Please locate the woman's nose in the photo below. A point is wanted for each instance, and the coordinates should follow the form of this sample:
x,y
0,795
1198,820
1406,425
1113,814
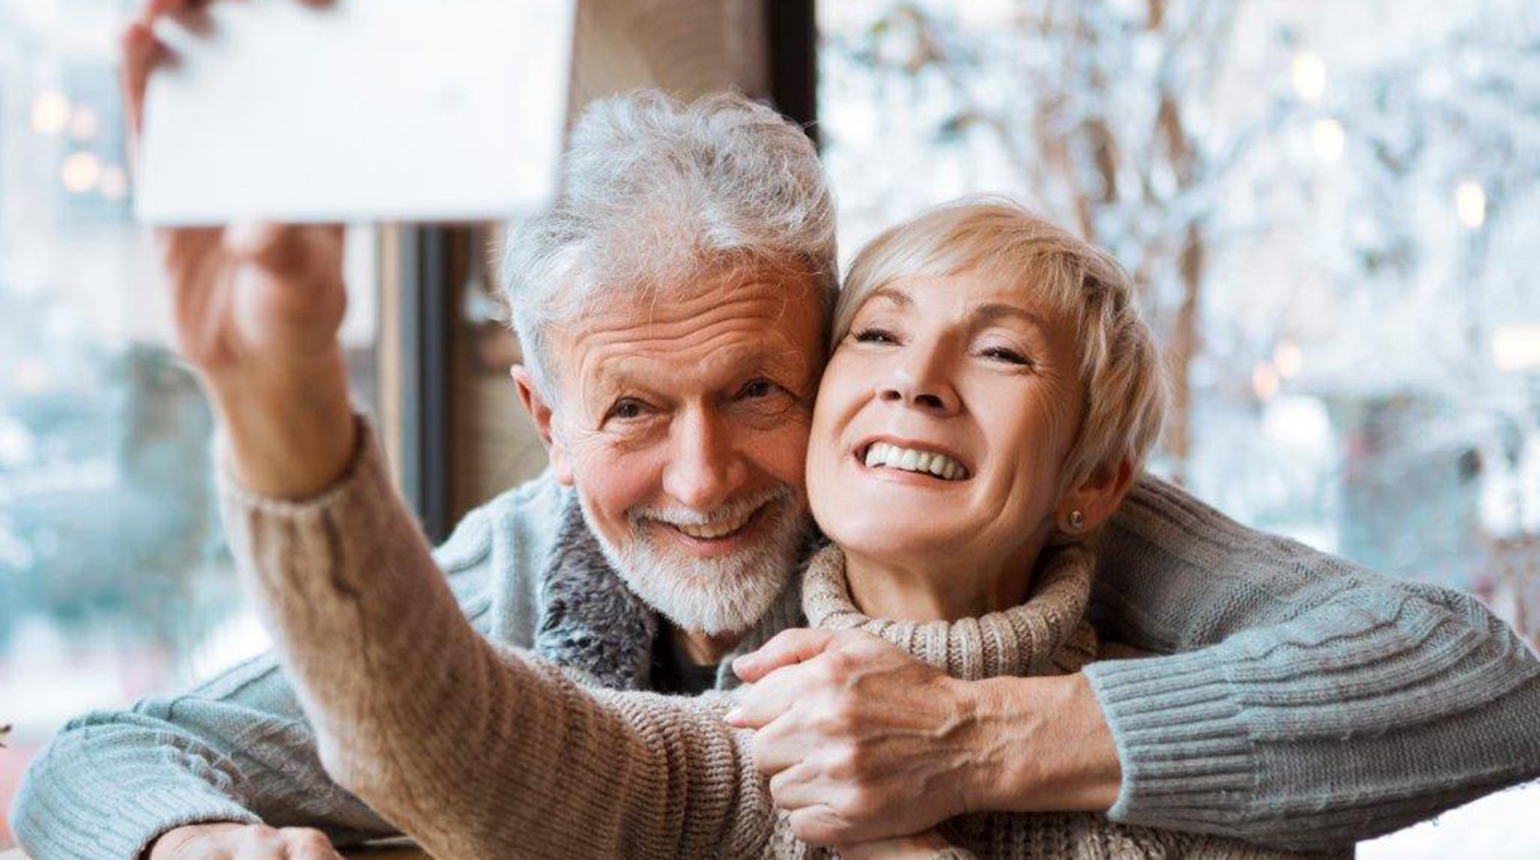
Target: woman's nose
x,y
921,384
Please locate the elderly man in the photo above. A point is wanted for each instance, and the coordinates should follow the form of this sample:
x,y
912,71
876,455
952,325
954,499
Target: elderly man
x,y
673,308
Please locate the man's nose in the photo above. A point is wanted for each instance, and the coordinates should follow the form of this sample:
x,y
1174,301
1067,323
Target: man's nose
x,y
920,380
705,468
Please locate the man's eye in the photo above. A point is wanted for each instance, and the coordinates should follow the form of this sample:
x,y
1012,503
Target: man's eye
x,y
875,335
756,389
1009,356
626,409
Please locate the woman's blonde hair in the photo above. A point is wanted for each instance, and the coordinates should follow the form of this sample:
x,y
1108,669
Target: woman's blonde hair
x,y
1120,369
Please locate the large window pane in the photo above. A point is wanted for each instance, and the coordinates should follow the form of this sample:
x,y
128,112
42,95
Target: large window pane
x,y
1332,235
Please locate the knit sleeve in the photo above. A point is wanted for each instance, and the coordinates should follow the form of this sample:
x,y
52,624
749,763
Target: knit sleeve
x,y
234,748
474,750
1301,701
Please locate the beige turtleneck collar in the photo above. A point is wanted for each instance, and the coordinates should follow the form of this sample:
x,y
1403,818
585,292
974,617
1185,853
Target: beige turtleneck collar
x,y
1047,635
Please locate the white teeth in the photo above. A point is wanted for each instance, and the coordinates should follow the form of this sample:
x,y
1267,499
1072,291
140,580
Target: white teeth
x,y
909,460
875,453
711,531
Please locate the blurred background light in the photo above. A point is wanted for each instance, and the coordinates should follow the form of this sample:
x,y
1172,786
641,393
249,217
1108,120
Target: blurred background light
x,y
1516,347
1308,72
1470,203
1327,138
49,112
1264,381
81,172
1288,358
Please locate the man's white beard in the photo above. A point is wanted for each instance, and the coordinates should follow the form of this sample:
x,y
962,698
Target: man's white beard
x,y
712,596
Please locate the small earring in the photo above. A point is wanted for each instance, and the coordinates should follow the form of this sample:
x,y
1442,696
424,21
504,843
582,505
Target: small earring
x,y
1076,520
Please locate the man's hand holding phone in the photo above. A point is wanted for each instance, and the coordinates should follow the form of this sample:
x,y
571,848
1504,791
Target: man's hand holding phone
x,y
256,310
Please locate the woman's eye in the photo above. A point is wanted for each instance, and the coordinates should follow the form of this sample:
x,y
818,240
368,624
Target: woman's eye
x,y
757,389
875,335
1009,356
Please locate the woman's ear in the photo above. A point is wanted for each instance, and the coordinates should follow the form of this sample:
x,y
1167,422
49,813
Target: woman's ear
x,y
1092,502
540,411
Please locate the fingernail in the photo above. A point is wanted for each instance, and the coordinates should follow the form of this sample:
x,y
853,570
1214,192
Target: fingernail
x,y
734,716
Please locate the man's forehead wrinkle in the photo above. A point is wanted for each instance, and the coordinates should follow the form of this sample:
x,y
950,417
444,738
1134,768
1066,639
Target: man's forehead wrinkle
x,y
723,355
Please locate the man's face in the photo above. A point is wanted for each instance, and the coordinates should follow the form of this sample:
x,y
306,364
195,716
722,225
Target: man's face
x,y
682,419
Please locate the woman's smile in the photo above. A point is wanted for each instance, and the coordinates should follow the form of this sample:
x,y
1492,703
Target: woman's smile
x,y
897,458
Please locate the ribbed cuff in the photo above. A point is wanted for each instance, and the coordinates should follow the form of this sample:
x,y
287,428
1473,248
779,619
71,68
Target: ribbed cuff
x,y
1185,754
67,830
366,452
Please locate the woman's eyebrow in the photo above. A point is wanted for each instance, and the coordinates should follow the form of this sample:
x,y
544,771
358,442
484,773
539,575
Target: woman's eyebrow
x,y
896,296
992,312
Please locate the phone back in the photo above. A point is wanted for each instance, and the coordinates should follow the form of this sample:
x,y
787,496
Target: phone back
x,y
359,110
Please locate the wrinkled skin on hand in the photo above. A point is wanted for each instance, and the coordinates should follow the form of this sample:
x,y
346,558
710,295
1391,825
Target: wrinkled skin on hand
x,y
860,740
231,841
864,742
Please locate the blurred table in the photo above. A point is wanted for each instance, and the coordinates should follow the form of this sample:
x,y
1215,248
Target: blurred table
x,y
384,852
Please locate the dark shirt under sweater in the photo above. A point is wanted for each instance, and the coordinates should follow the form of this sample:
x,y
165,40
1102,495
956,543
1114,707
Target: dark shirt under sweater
x,y
673,671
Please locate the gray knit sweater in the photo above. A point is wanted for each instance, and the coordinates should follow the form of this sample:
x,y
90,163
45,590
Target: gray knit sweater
x,y
1273,657
502,758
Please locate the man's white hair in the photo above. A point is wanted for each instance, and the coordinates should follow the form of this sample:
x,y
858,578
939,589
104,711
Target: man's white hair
x,y
657,195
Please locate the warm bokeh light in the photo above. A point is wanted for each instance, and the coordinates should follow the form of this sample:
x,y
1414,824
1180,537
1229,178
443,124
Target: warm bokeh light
x,y
1308,73
1264,381
50,112
1328,139
83,123
1516,347
1470,203
1288,358
81,172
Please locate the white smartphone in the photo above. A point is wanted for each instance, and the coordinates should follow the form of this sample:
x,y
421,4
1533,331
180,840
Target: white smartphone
x,y
358,110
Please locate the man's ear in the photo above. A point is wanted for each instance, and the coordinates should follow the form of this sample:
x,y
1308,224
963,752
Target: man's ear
x,y
540,411
1096,497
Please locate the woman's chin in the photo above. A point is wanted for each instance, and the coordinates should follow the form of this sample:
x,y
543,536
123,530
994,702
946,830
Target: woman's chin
x,y
891,533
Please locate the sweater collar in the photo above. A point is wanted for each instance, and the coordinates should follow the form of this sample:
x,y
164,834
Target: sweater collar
x,y
1048,634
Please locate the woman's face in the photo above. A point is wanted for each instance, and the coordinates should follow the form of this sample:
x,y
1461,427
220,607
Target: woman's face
x,y
941,423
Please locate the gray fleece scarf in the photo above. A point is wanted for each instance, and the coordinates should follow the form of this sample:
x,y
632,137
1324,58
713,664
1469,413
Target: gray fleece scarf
x,y
592,621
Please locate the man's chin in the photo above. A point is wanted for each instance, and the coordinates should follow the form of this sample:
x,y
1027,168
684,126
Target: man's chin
x,y
717,594
711,602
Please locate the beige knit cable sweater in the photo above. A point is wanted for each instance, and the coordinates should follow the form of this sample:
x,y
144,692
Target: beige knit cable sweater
x,y
480,751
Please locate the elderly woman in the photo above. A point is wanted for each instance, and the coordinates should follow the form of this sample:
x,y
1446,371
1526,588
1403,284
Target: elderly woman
x,y
991,394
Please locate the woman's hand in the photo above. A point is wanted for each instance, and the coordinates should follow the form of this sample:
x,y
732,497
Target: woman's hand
x,y
860,740
863,741
256,310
